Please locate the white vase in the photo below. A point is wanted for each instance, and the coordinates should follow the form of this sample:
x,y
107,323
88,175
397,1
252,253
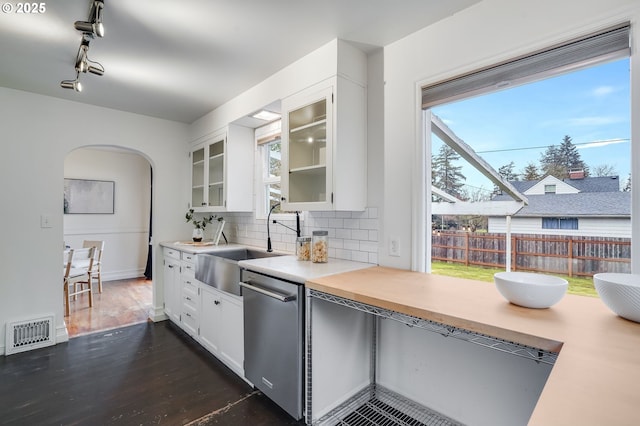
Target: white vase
x,y
198,234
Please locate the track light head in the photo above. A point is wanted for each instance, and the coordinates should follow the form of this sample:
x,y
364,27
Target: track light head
x,y
72,84
96,69
92,29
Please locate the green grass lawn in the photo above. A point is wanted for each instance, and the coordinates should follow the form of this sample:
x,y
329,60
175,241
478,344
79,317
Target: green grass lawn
x,y
577,285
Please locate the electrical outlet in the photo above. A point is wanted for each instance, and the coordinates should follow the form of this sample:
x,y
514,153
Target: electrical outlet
x,y
394,247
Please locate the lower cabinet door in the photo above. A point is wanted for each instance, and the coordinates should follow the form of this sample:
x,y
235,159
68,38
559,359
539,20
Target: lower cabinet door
x,y
210,313
232,333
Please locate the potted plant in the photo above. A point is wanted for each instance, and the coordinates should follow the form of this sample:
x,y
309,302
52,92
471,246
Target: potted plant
x,y
199,225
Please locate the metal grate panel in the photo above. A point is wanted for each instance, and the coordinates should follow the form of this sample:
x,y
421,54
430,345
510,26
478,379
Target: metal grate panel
x,y
376,405
30,334
536,354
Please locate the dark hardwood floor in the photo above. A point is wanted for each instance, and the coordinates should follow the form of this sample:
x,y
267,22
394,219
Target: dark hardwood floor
x,y
145,374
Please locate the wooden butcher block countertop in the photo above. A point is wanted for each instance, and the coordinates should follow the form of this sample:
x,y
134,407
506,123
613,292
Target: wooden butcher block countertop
x,y
596,378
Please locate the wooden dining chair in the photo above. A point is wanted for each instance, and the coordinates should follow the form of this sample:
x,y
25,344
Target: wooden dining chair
x,y
96,271
75,278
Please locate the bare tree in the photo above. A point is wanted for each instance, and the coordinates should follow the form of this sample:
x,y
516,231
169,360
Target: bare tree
x,y
603,170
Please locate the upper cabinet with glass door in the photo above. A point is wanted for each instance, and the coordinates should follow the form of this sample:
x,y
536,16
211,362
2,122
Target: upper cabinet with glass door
x,y
324,148
220,180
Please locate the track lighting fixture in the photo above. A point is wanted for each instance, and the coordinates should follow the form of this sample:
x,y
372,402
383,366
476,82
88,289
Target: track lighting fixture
x,y
94,26
90,29
84,64
72,84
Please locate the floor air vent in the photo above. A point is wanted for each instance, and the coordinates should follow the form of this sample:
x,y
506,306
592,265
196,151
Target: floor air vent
x,y
31,334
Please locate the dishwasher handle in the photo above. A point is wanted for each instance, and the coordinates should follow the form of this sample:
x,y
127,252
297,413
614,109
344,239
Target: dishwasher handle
x,y
281,297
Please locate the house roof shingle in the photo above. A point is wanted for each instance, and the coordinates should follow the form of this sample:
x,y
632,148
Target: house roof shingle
x,y
598,196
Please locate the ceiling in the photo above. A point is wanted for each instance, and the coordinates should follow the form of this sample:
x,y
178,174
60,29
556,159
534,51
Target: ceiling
x,y
180,59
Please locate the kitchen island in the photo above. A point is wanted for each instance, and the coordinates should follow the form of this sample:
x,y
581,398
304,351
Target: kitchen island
x,y
595,377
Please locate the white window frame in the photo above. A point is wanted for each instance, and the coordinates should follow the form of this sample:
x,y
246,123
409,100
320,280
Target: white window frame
x,y
263,179
421,248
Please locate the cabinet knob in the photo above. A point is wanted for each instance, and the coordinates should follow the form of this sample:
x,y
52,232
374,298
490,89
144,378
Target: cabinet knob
x,y
283,198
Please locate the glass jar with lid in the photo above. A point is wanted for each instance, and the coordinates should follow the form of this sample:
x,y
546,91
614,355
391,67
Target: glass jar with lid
x,y
320,247
303,248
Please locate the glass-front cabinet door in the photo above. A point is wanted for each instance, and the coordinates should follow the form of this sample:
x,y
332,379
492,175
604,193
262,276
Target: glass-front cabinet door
x,y
307,148
216,173
208,178
197,178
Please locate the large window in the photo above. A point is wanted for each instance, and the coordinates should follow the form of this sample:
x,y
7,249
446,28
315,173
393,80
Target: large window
x,y
497,133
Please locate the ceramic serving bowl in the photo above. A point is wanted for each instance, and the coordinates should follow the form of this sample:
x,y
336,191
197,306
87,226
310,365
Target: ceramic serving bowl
x,y
529,289
620,292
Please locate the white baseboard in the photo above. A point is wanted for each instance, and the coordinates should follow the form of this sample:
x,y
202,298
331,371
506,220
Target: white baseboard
x,y
123,275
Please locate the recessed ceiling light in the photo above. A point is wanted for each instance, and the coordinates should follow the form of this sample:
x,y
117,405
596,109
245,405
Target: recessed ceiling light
x,y
265,115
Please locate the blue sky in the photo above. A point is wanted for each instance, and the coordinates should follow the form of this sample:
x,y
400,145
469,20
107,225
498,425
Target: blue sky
x,y
589,105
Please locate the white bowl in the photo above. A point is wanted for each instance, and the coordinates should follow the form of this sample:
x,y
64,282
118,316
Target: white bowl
x,y
530,290
620,292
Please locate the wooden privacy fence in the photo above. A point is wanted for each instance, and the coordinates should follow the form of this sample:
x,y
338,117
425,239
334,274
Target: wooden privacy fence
x,y
569,255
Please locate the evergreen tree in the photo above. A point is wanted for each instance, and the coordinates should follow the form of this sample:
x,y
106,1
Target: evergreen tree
x,y
445,175
530,172
507,173
558,160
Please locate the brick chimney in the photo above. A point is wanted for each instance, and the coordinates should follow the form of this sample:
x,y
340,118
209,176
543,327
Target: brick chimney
x,y
576,174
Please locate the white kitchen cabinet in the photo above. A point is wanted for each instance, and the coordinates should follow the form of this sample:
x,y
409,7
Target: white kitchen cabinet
x,y
210,318
324,147
172,284
221,327
221,171
232,333
190,305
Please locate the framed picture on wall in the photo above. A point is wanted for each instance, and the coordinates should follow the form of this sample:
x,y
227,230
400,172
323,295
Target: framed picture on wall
x,y
84,196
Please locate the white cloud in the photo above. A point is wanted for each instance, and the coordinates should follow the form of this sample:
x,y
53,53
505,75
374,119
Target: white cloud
x,y
593,121
602,91
598,144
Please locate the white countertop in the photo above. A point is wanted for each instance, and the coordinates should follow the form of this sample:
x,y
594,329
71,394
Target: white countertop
x,y
190,247
286,266
292,269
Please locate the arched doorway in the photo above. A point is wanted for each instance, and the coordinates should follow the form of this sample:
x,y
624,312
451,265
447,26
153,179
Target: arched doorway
x,y
127,294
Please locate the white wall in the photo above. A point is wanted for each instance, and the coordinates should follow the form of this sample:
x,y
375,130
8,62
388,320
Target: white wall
x,y
587,226
487,33
37,134
126,232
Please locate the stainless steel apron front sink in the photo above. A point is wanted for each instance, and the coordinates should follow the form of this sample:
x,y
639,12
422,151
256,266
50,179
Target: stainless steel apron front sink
x,y
221,270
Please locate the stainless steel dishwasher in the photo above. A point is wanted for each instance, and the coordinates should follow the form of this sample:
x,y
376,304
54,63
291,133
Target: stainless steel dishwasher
x,y
274,338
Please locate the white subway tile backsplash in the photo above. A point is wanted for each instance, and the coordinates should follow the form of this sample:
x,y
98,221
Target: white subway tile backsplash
x,y
368,223
352,235
352,223
345,233
336,223
360,256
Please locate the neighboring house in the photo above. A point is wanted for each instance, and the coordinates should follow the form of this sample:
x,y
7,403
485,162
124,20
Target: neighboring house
x,y
580,206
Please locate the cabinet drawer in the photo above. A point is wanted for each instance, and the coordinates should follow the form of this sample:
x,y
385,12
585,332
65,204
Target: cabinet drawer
x,y
189,270
189,258
169,252
190,319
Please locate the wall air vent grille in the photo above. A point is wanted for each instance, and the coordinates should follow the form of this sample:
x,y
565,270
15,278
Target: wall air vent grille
x,y
30,334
